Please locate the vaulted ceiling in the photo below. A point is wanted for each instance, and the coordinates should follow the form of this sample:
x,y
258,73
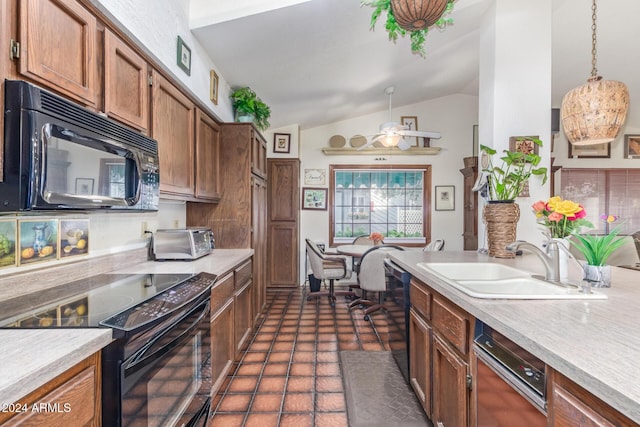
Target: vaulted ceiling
x,y
316,61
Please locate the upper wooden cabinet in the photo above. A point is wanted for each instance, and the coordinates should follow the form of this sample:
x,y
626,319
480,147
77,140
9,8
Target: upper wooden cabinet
x,y
126,83
172,125
58,47
207,158
258,154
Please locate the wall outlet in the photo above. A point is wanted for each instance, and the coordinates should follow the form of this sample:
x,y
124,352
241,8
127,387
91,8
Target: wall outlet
x,y
144,228
176,223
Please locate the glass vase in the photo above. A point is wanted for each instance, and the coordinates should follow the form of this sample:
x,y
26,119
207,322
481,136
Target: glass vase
x,y
598,275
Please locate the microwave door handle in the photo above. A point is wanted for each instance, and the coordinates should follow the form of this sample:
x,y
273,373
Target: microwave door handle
x,y
141,359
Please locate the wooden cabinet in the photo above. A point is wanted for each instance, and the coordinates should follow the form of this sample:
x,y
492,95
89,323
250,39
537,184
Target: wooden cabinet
x,y
439,356
172,125
222,342
283,225
450,390
239,219
470,205
259,242
571,405
207,158
243,318
420,360
75,394
126,83
58,47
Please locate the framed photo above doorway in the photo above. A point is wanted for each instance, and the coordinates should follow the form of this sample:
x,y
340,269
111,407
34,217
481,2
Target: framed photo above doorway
x,y
281,142
590,151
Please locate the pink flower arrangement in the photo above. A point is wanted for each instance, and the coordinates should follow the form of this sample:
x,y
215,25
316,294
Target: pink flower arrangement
x,y
376,237
560,217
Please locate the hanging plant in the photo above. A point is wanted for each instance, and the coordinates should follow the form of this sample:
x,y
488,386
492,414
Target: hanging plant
x,y
417,36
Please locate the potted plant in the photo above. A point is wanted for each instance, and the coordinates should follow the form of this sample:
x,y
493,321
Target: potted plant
x,y
394,28
596,250
249,108
505,183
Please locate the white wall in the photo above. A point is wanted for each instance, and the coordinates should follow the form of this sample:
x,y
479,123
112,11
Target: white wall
x,y
452,116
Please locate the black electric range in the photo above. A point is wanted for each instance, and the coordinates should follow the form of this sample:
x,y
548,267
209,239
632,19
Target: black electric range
x,y
102,301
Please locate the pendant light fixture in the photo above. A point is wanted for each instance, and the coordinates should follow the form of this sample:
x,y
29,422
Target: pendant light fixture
x,y
594,112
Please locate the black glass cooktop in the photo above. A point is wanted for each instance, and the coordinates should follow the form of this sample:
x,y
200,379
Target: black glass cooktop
x,y
87,302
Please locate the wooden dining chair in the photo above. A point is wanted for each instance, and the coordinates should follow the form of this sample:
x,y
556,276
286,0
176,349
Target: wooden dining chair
x,y
327,266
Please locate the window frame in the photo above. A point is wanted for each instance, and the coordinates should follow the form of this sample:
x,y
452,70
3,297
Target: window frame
x,y
426,197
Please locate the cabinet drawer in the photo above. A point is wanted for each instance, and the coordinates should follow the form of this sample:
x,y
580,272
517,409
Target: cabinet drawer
x,y
243,274
75,400
221,292
420,299
451,322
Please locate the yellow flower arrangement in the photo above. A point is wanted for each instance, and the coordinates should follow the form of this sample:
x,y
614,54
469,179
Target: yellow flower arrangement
x,y
560,217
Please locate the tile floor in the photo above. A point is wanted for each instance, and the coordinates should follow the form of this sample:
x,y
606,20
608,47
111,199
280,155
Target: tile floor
x,y
289,373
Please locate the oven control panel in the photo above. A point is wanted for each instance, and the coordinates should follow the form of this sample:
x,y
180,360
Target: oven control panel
x,y
163,303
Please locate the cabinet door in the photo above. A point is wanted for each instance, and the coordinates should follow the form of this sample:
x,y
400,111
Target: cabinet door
x,y
259,242
243,318
222,343
58,47
284,189
172,118
258,154
126,83
207,157
451,407
283,254
420,360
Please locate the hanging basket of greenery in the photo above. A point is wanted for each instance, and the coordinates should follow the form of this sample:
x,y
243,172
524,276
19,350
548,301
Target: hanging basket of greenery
x,y
246,103
412,16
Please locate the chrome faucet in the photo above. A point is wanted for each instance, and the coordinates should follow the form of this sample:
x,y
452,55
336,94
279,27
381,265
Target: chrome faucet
x,y
550,259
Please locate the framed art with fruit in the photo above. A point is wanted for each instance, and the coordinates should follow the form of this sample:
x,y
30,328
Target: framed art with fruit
x,y
74,237
8,235
38,240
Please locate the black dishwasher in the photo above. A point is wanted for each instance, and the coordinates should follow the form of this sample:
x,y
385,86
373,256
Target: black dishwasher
x,y
398,281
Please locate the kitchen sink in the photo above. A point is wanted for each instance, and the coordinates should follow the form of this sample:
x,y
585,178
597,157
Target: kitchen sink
x,y
497,281
473,270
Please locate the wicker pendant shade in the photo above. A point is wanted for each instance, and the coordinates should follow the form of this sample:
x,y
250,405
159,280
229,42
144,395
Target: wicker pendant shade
x,y
414,15
594,112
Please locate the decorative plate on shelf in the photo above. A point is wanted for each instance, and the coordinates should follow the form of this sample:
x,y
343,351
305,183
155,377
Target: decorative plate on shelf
x,y
337,141
357,141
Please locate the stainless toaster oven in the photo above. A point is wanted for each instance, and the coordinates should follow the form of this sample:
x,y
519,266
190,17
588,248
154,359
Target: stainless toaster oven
x,y
183,244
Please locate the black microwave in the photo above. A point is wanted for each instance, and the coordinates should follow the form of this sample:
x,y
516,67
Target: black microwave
x,y
59,155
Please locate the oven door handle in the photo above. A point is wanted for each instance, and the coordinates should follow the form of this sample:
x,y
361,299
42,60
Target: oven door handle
x,y
140,359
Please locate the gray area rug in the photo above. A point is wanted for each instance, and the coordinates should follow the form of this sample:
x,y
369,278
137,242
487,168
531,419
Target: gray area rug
x,y
377,393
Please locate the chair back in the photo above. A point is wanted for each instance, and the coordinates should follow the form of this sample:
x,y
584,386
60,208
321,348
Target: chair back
x,y
363,240
371,275
435,245
325,266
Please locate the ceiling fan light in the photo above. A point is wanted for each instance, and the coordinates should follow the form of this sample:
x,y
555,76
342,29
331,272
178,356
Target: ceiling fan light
x,y
594,112
391,140
415,15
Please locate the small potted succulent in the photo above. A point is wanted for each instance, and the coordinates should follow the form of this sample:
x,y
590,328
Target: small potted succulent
x,y
250,108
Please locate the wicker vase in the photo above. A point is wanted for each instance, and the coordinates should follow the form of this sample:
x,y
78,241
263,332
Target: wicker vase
x,y
413,15
501,219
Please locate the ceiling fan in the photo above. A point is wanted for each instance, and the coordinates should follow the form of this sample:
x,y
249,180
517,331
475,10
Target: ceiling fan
x,y
392,133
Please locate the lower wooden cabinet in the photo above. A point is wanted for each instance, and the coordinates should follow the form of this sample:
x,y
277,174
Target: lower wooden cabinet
x,y
439,356
243,318
420,360
222,343
571,405
72,399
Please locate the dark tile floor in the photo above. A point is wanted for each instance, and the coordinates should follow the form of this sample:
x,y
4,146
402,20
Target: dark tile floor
x,y
289,373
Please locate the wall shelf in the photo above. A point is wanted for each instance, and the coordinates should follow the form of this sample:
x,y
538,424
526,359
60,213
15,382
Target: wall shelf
x,y
411,151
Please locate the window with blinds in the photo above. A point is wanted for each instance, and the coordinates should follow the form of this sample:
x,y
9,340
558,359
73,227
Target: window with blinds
x,y
605,191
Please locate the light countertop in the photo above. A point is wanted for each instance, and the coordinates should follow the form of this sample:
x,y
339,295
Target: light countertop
x,y
595,343
29,358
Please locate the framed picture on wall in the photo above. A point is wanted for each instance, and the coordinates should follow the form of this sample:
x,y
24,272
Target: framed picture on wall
x,y
590,151
281,142
314,198
445,197
632,146
184,56
411,123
